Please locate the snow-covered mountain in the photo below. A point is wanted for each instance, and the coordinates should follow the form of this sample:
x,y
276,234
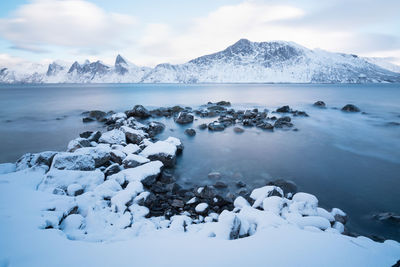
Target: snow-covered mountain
x,y
242,62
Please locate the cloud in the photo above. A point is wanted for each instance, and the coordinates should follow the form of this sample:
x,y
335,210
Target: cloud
x,y
68,23
215,31
335,26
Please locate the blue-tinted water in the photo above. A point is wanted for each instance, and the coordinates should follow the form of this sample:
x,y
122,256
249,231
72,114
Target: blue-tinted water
x,y
351,161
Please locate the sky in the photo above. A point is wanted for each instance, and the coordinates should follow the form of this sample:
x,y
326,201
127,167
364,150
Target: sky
x,y
155,31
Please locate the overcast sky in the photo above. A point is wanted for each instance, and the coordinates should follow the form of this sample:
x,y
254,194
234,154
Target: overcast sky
x,y
155,31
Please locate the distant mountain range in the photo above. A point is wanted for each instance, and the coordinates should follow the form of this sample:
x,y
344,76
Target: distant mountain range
x,y
242,62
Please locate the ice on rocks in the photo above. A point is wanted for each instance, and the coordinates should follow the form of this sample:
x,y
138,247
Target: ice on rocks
x,y
200,208
30,160
78,143
139,173
324,213
113,137
339,227
119,200
63,178
138,212
159,147
316,221
273,204
228,226
240,202
133,160
73,161
260,194
179,223
132,135
304,204
74,189
108,189
131,149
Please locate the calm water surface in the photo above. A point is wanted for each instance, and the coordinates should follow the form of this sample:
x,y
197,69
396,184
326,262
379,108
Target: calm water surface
x,y
351,161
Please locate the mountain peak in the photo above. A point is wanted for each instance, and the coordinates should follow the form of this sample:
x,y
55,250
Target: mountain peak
x,y
120,60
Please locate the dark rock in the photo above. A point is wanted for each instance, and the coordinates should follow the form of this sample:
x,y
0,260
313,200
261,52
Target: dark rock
x,y
177,203
238,130
240,184
320,104
112,169
167,176
149,180
87,119
203,126
94,137
216,126
97,114
341,219
216,108
388,217
190,132
283,122
155,128
224,103
298,113
86,134
208,193
117,157
220,185
286,186
168,160
265,125
350,108
284,109
138,111
184,118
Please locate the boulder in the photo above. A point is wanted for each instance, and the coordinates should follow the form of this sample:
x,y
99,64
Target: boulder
x,y
163,151
285,185
78,143
190,132
216,126
132,135
73,161
155,128
320,104
283,109
112,169
138,111
283,122
113,137
132,161
238,130
184,118
350,108
203,126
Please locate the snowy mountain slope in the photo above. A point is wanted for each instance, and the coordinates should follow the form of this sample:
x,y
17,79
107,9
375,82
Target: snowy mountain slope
x,y
242,62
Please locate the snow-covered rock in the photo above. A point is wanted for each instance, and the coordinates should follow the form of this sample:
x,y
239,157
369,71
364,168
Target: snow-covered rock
x,y
113,137
163,151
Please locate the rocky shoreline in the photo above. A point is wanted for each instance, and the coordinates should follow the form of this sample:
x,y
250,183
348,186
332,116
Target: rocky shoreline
x,y
124,177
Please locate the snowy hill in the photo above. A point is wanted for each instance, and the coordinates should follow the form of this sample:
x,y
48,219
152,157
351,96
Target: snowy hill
x,y
242,62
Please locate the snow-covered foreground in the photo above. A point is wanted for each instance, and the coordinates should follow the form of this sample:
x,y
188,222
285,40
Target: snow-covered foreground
x,y
24,243
108,201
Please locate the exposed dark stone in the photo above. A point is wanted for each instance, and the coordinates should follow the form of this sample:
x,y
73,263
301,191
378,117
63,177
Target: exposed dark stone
x,y
95,136
86,134
208,192
390,217
320,104
168,160
286,186
350,108
341,219
265,125
155,128
87,119
138,111
284,109
190,132
216,126
203,126
300,113
240,184
167,176
220,184
238,130
115,157
184,118
112,169
224,103
177,203
283,122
